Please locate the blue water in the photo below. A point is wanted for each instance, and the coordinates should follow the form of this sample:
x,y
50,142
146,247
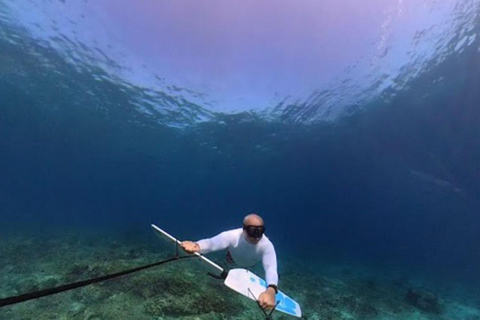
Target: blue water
x,y
394,184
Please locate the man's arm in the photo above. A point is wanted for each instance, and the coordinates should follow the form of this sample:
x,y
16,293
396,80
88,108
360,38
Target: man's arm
x,y
269,261
219,242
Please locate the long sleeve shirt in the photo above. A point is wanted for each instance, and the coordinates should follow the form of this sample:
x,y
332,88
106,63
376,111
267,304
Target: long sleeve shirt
x,y
244,253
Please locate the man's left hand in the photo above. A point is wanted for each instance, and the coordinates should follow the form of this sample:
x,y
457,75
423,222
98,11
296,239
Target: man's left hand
x,y
267,299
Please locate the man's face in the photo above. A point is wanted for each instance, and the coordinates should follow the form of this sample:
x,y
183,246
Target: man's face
x,y
253,231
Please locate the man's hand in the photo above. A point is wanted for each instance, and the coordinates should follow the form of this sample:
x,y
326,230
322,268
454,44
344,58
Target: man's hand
x,y
267,299
190,246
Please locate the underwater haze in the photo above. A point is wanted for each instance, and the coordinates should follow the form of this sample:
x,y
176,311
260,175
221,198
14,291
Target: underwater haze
x,y
352,129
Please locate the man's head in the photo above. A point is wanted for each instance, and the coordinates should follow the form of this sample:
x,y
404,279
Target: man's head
x,y
253,228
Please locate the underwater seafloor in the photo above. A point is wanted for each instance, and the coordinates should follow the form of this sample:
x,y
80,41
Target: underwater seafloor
x,y
182,290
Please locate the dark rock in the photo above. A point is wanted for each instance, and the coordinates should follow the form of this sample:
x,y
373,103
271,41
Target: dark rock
x,y
423,300
370,284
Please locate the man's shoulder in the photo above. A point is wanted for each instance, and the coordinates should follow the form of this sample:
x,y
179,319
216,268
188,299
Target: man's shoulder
x,y
233,232
266,243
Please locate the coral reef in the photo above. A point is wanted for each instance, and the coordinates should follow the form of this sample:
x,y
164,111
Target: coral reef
x,y
181,289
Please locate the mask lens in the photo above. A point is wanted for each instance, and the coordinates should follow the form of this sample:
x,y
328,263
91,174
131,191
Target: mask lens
x,y
255,231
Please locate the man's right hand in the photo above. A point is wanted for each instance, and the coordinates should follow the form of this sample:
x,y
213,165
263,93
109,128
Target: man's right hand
x,y
190,246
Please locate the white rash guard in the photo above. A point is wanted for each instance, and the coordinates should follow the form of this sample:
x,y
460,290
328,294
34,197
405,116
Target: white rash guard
x,y
243,252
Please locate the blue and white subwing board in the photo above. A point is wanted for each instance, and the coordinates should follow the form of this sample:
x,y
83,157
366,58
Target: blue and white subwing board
x,y
251,285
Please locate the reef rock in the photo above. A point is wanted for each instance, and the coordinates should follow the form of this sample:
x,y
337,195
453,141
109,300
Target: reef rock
x,y
423,300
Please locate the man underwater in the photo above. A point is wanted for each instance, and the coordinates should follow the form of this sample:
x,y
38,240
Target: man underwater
x,y
246,247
